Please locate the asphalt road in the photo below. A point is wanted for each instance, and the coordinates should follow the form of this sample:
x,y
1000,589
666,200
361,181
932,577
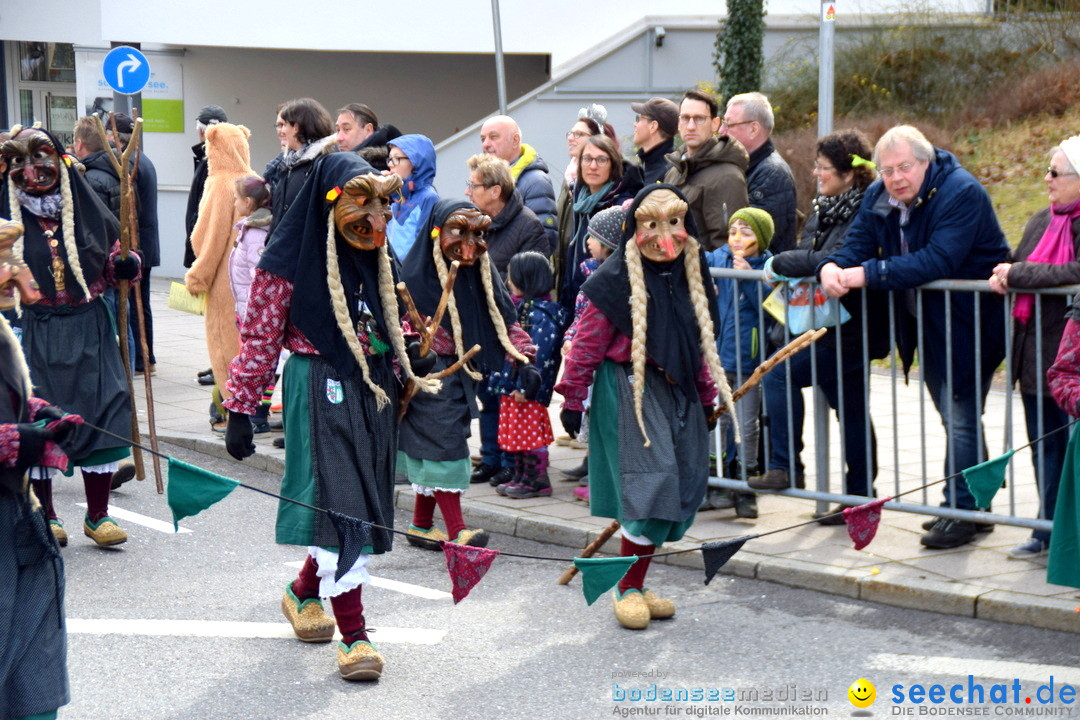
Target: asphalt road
x,y
185,626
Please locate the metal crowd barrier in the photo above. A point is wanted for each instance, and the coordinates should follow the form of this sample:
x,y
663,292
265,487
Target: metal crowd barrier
x,y
909,432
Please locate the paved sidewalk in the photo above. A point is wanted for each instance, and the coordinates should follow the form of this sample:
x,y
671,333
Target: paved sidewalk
x,y
977,580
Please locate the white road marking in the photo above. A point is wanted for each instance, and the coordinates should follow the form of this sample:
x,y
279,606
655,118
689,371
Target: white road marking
x,y
962,667
396,585
145,521
230,629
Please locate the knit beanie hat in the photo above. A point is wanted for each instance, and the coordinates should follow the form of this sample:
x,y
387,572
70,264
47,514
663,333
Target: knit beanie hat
x,y
607,226
759,221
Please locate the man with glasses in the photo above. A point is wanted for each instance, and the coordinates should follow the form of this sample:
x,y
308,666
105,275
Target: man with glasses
x,y
655,126
928,219
770,184
500,136
710,171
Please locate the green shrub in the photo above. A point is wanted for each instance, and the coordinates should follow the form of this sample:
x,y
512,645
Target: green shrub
x,y
739,56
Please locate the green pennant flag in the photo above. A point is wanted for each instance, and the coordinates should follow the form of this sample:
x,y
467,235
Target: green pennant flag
x,y
598,575
986,478
192,489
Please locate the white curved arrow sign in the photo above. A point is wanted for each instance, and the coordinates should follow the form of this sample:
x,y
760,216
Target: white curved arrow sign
x,y
130,65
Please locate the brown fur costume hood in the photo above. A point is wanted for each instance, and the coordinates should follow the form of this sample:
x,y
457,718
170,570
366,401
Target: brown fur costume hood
x,y
228,159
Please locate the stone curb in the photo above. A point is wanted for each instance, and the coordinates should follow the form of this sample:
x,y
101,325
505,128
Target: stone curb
x,y
947,598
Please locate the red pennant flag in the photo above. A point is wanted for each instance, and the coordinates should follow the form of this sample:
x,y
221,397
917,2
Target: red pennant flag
x,y
467,566
862,522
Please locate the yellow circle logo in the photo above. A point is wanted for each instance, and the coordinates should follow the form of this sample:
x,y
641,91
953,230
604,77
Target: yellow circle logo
x,y
862,693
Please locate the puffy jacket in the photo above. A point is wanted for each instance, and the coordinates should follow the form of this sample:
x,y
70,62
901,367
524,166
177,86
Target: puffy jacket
x,y
741,347
103,179
1026,368
248,246
545,321
418,196
516,229
771,187
952,232
714,183
147,210
290,180
530,172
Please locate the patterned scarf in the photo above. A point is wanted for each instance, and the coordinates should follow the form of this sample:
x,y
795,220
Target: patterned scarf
x,y
836,210
293,157
47,206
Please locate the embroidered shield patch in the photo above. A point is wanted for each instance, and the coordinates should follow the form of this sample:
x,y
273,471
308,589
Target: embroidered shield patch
x,y
334,392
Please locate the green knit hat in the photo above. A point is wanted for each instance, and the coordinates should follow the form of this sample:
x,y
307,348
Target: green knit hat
x,y
759,221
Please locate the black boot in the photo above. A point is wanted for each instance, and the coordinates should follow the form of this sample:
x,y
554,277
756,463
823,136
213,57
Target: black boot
x,y
483,473
534,483
509,477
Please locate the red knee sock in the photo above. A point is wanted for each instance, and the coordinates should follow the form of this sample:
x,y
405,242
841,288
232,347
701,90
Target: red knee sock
x,y
306,584
98,486
450,505
349,614
423,515
43,490
635,576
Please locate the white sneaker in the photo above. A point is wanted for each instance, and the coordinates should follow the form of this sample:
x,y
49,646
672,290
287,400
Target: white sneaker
x,y
1030,548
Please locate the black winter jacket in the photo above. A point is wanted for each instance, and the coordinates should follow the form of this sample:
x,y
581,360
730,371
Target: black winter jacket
x,y
198,150
516,229
771,187
103,179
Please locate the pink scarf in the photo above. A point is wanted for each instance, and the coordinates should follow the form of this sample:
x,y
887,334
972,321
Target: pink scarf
x,y
1055,248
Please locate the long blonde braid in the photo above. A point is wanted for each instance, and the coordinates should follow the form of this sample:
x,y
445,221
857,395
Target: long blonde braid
x,y
388,297
639,328
700,301
67,225
341,313
496,314
451,306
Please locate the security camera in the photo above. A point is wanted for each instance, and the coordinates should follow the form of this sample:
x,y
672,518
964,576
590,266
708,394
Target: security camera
x,y
661,33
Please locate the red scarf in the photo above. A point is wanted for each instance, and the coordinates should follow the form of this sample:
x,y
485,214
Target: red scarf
x,y
1055,248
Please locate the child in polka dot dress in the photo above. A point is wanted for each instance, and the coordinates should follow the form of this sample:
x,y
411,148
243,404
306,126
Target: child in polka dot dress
x,y
524,425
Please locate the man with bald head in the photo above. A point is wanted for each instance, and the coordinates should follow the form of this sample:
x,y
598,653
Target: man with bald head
x,y
500,136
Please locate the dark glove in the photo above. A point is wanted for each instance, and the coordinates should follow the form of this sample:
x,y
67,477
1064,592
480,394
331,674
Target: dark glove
x,y
49,413
239,436
710,419
530,380
571,422
32,441
421,366
127,269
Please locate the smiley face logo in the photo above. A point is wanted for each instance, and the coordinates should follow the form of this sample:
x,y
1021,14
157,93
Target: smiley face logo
x,y
862,693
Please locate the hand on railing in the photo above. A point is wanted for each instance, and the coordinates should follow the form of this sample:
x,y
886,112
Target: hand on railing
x,y
999,278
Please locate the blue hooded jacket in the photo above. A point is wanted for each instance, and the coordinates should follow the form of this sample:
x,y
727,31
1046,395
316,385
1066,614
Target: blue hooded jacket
x,y
418,195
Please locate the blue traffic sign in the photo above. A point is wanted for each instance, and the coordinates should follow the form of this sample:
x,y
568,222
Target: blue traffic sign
x,y
126,70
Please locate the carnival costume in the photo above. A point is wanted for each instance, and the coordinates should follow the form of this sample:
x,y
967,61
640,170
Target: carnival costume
x,y
647,346
324,289
69,336
435,428
33,664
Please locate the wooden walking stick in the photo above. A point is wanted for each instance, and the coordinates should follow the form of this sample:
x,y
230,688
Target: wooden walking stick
x,y
796,345
590,550
427,332
129,240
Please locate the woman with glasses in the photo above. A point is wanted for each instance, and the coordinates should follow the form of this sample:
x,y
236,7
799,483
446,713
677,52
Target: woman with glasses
x,y
604,179
412,158
1048,255
842,174
305,132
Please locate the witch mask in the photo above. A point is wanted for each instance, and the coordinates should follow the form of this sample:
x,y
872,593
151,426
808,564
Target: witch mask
x,y
13,271
462,236
661,226
33,162
362,211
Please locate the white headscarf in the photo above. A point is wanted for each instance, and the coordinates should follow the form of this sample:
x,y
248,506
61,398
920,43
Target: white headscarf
x,y
1071,148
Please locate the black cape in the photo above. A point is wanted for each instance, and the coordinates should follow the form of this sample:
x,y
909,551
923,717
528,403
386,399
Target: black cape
x,y
673,337
296,251
422,279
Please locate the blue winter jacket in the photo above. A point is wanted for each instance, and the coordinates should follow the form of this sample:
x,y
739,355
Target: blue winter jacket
x,y
418,195
743,357
545,321
952,232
